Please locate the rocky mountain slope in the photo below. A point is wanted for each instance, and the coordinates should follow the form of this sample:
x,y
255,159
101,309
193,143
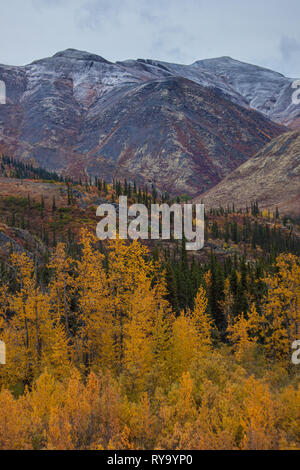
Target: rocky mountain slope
x,y
182,128
271,177
245,84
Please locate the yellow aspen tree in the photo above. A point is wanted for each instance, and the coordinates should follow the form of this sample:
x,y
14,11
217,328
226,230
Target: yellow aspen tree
x,y
11,333
184,342
33,334
47,393
61,285
186,407
147,333
142,313
256,323
208,280
138,347
37,309
97,332
25,322
128,265
282,307
16,368
162,320
56,351
203,321
239,334
227,304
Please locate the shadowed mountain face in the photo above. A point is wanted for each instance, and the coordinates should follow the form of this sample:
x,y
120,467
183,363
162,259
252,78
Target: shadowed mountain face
x,y
272,177
182,128
174,133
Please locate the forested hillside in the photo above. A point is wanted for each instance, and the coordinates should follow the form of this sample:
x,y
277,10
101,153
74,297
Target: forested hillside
x,y
131,345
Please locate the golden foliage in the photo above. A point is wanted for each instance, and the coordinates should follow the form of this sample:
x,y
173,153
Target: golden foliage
x,y
121,371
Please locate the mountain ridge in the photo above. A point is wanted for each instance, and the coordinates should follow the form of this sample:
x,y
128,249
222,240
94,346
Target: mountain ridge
x,y
213,72
71,113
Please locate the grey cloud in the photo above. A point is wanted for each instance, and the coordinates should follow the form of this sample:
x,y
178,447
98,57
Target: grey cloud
x,y
94,13
38,4
287,59
170,30
288,46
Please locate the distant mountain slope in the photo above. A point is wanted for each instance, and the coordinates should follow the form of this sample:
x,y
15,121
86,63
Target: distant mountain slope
x,y
180,127
245,84
174,133
272,177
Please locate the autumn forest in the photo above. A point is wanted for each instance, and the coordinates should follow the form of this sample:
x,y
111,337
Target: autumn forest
x,y
128,345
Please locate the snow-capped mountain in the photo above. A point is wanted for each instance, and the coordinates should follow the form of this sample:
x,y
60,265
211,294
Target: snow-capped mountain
x,y
247,85
181,127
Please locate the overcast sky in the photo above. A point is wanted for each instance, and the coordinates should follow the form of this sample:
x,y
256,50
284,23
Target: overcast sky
x,y
263,32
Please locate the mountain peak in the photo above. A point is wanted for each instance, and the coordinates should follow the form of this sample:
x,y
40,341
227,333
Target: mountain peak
x,y
74,54
227,62
218,60
80,55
